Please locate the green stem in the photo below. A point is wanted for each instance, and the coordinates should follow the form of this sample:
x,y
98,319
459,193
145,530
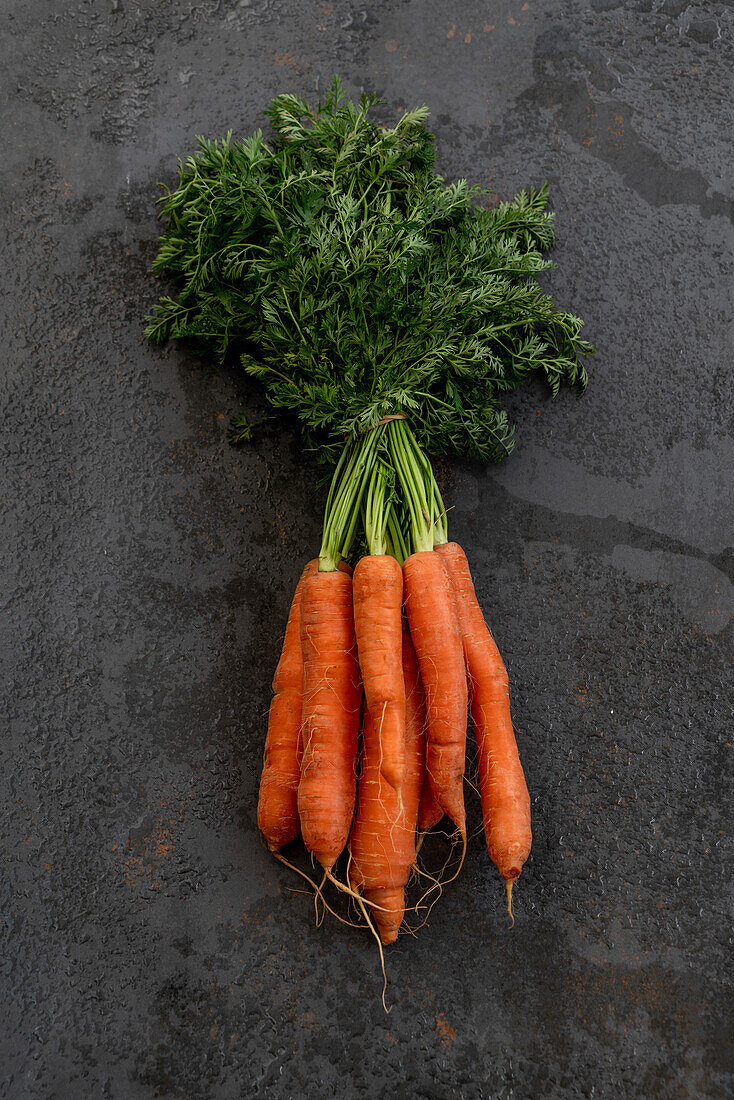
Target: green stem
x,y
396,543
351,478
377,508
438,508
411,476
347,452
426,510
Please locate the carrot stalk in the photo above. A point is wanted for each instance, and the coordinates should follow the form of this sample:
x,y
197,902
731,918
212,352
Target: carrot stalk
x,y
429,811
277,808
502,787
378,605
382,843
332,689
331,702
378,623
434,627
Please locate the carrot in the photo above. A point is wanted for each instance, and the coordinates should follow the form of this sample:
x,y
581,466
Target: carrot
x,y
434,628
378,606
382,844
502,787
332,696
277,807
429,811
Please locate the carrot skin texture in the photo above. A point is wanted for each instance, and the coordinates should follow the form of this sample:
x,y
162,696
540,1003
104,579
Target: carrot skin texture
x,y
332,696
378,614
434,627
502,786
429,811
277,807
382,844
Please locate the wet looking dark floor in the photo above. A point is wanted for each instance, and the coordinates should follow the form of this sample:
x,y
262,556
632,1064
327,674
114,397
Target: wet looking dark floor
x,y
152,948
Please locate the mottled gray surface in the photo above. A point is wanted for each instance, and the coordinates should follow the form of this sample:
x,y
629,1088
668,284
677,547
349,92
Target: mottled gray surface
x,y
151,948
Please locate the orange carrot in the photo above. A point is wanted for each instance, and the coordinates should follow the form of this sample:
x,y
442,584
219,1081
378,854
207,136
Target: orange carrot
x,y
434,627
429,811
332,696
277,808
504,793
378,606
382,844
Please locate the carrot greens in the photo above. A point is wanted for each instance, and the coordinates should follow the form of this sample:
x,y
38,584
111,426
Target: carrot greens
x,y
355,283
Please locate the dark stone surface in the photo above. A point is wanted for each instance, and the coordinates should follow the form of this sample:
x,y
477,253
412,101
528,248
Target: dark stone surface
x,y
151,948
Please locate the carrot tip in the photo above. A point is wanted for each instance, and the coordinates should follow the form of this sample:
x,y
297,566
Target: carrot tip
x,y
509,884
374,932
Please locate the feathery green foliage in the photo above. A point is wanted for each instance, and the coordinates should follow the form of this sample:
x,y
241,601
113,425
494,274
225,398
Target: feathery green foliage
x,y
355,284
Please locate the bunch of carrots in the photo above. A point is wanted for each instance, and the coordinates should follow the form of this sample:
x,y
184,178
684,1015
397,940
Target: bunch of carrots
x,y
384,314
398,648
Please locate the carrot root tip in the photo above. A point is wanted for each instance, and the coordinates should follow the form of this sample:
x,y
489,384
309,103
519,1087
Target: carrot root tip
x,y
509,884
375,933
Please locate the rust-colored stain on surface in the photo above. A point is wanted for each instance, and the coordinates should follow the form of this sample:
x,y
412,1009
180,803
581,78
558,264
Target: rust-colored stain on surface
x,y
290,60
144,853
444,1030
617,129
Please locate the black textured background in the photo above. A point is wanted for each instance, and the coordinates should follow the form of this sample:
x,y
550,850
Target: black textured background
x,y
151,948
